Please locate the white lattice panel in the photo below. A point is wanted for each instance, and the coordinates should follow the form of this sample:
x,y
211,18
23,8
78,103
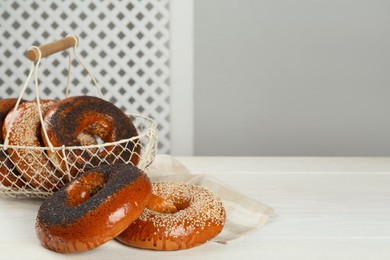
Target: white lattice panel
x,y
124,43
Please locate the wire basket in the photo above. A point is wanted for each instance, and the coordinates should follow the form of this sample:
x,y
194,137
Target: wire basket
x,y
27,171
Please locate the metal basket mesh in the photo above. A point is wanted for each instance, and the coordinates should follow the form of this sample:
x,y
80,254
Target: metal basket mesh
x,y
40,171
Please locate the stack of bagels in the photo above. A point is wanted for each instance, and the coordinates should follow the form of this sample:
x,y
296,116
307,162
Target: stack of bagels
x,y
83,122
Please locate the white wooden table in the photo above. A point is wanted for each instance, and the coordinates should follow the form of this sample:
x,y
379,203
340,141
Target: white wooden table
x,y
325,208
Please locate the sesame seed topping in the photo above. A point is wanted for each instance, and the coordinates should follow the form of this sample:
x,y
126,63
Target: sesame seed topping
x,y
203,210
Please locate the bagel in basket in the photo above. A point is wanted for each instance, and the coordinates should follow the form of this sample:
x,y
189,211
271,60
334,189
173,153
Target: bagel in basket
x,y
86,123
24,132
9,176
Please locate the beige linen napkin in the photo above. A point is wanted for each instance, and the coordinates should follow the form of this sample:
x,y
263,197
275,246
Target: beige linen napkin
x,y
244,215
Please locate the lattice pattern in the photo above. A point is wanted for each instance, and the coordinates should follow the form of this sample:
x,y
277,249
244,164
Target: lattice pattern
x,y
125,43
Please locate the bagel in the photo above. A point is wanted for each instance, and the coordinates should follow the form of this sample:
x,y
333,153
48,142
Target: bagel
x,y
9,176
93,209
85,120
177,216
32,163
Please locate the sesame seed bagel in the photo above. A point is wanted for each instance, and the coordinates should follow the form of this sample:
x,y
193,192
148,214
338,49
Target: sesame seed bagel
x,y
81,121
93,209
177,216
32,164
9,176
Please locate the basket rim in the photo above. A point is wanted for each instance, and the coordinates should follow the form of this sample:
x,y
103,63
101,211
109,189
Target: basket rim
x,y
151,127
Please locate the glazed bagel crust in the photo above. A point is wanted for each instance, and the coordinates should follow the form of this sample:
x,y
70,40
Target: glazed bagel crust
x,y
76,119
189,215
93,209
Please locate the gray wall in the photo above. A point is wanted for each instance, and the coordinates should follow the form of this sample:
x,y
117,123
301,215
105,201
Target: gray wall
x,y
299,78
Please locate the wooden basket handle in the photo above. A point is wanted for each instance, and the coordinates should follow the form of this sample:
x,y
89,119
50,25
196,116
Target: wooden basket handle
x,y
51,48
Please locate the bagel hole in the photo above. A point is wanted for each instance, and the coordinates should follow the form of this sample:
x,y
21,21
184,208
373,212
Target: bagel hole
x,y
84,188
87,138
182,205
98,139
162,205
